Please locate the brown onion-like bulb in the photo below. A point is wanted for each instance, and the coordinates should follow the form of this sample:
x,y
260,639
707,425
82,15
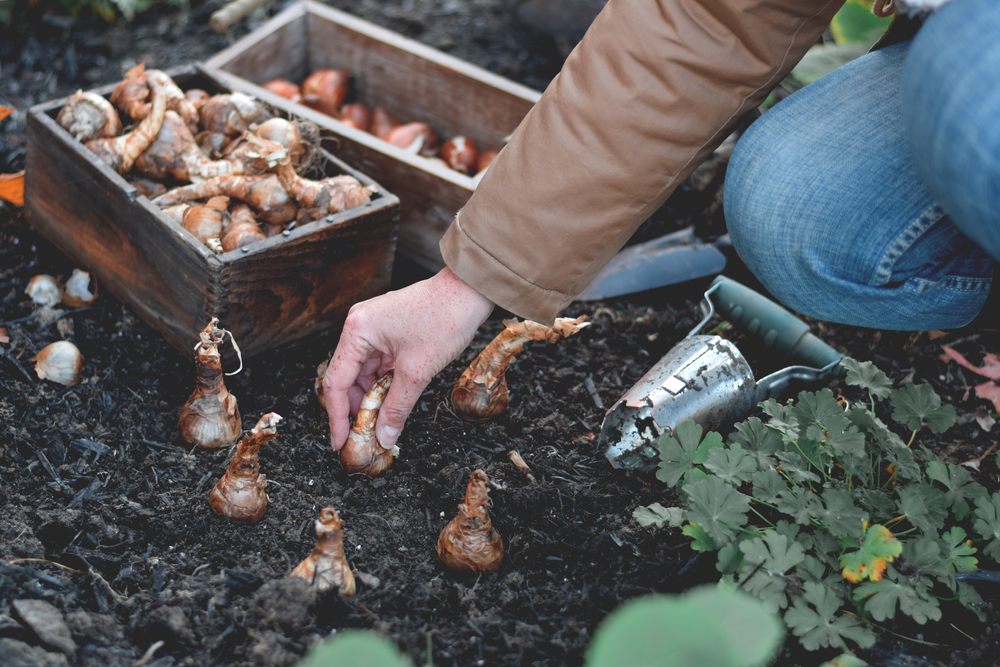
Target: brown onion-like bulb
x,y
362,453
470,543
481,391
382,123
89,116
461,154
196,96
77,293
60,362
284,132
485,159
416,138
326,568
325,89
206,222
356,115
284,88
243,228
44,290
239,494
210,419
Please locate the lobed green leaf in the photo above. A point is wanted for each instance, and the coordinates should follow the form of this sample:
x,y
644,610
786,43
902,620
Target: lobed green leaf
x,y
813,620
919,405
718,508
881,598
682,451
864,374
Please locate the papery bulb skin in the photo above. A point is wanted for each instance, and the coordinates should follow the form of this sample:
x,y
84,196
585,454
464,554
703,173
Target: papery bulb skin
x,y
481,392
326,568
382,123
362,453
60,362
77,293
210,419
240,493
243,229
460,154
469,543
356,115
324,90
89,116
44,290
284,88
416,138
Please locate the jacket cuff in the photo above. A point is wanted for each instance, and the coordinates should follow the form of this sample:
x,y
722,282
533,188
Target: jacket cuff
x,y
487,275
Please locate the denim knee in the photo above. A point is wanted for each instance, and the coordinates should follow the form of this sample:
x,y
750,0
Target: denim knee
x,y
950,93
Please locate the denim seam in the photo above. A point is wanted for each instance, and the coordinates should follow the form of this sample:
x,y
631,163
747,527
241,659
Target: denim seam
x,y
883,274
954,284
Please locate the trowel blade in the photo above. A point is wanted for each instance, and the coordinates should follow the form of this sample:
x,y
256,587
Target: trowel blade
x,y
664,261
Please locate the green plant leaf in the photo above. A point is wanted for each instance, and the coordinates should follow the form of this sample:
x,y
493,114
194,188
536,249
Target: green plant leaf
x,y
700,541
987,523
841,516
845,660
903,460
718,508
960,550
919,405
682,451
787,528
970,599
855,23
816,407
758,440
795,466
730,557
864,374
731,464
845,439
813,620
634,633
767,485
776,555
800,504
924,507
958,483
877,502
871,560
659,516
358,648
910,593
923,556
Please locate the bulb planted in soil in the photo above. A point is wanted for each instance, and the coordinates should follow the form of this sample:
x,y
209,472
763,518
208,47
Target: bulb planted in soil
x,y
326,568
470,543
362,453
210,418
240,494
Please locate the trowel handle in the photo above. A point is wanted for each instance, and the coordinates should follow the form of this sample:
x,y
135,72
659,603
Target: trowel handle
x,y
774,325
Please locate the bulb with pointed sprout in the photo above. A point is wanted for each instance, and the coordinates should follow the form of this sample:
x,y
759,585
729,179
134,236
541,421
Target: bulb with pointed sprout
x,y
210,418
470,543
240,494
362,453
326,568
481,391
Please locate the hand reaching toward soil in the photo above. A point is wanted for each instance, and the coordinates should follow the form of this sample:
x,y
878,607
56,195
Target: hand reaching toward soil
x,y
416,331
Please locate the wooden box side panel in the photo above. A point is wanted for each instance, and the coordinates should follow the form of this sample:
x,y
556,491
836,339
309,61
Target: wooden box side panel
x,y
92,215
311,283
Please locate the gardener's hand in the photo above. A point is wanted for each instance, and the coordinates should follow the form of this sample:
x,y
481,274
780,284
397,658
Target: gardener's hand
x,y
417,331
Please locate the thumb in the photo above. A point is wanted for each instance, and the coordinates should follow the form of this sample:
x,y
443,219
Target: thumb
x,y
399,402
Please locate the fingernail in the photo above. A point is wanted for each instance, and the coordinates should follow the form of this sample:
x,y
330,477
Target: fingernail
x,y
387,437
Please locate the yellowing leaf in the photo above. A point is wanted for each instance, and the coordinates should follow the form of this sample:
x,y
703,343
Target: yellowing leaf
x,y
12,188
5,111
870,561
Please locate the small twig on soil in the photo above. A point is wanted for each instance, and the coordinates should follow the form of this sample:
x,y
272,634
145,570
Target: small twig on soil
x,y
106,586
515,458
592,390
148,655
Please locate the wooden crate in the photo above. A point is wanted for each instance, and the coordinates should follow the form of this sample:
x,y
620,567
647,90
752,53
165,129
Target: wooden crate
x,y
269,293
410,80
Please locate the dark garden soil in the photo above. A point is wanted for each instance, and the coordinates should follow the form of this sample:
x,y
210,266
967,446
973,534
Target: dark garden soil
x,y
104,511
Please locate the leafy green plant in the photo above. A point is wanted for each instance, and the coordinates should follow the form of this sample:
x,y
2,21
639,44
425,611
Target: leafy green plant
x,y
829,516
356,648
707,625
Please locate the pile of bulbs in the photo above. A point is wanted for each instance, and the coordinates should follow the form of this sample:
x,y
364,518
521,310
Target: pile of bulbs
x,y
61,361
325,90
242,164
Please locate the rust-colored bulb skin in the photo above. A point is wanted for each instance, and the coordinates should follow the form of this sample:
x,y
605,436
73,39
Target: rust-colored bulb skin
x,y
481,391
240,494
362,453
210,418
470,544
326,567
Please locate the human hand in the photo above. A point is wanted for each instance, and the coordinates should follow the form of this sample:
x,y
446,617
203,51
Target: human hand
x,y
417,331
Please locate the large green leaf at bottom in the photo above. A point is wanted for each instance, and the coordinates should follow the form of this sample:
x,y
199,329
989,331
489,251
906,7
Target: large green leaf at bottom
x,y
708,625
358,648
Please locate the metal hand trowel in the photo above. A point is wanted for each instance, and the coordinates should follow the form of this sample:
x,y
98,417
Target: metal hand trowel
x,y
706,378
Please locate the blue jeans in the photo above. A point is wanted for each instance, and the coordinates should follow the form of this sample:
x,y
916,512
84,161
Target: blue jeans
x,y
871,197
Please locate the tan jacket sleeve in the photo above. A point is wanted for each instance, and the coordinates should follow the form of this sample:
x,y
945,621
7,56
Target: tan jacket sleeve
x,y
654,87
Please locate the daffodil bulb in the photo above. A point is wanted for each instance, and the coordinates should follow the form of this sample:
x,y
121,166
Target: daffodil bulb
x,y
60,362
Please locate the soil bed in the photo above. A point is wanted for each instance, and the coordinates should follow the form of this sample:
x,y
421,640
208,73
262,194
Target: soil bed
x,y
104,511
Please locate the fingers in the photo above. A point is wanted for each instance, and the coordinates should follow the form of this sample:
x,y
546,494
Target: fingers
x,y
403,395
352,360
